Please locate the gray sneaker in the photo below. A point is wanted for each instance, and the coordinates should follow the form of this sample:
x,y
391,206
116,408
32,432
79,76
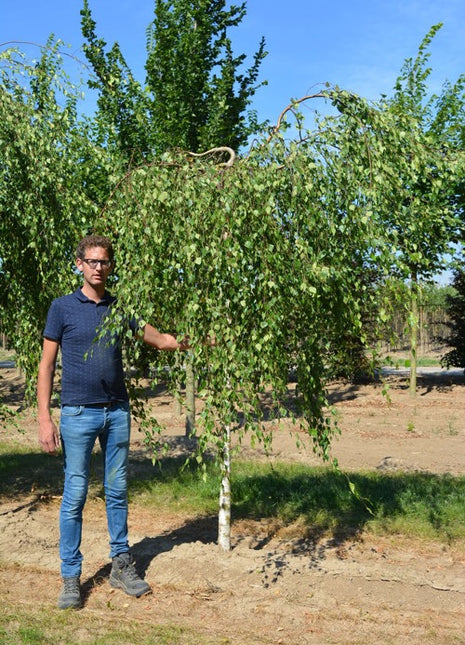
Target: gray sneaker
x,y
70,597
124,576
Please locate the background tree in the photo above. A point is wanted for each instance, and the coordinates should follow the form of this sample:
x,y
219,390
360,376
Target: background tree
x,y
424,220
121,121
46,165
200,96
195,95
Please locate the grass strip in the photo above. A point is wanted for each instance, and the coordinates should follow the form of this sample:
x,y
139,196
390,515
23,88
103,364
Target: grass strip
x,y
25,625
318,499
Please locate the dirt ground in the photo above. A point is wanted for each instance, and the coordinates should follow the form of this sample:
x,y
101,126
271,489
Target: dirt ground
x,y
271,588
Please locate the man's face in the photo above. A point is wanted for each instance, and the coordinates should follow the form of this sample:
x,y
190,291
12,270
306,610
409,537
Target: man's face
x,y
95,266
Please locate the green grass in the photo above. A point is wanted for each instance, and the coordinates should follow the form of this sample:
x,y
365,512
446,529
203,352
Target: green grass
x,y
318,500
23,470
23,626
422,361
7,354
176,488
321,501
428,362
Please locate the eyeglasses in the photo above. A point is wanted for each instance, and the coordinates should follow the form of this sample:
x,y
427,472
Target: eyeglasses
x,y
94,263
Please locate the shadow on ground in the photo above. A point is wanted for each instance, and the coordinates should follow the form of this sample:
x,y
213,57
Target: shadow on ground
x,y
318,502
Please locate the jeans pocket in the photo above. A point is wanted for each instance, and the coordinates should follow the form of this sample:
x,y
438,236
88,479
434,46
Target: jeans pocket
x,y
71,410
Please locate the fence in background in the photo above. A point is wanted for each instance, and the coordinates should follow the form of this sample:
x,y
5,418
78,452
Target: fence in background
x,y
432,334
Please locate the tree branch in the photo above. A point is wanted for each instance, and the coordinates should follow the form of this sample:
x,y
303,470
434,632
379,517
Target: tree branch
x,y
291,106
226,164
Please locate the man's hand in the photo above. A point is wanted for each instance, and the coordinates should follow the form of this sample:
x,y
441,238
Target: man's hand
x,y
48,436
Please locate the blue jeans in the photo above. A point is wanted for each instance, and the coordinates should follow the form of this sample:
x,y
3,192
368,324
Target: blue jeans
x,y
80,426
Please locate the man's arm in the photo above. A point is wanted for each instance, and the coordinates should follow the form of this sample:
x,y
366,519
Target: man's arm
x,y
153,337
48,433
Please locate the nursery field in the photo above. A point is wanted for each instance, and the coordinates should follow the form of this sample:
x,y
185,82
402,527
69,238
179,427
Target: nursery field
x,y
346,583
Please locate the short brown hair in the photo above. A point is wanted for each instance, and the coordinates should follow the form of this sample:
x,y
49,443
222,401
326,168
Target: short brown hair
x,y
94,240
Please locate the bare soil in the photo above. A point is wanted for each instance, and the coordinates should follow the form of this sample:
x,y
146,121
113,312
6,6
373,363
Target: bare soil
x,y
271,588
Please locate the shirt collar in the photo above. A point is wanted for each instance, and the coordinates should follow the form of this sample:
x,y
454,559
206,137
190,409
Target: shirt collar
x,y
107,298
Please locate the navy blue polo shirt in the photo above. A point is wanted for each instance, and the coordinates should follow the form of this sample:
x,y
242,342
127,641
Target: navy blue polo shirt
x,y
92,370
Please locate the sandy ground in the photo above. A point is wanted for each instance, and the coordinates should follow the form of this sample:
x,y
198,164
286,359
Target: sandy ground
x,y
271,587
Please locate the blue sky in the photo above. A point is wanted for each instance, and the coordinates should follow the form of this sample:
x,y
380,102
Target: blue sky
x,y
359,45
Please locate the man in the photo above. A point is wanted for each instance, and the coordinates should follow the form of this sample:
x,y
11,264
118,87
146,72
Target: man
x,y
94,404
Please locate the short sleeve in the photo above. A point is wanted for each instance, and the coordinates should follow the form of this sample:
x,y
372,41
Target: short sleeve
x,y
54,325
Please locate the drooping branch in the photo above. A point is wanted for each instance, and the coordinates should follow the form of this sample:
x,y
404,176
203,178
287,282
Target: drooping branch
x,y
290,108
44,47
226,164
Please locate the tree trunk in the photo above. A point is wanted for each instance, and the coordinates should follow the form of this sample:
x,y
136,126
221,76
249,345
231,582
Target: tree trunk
x,y
224,515
413,330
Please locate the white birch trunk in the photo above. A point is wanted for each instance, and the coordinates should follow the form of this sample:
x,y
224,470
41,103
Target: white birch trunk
x,y
224,515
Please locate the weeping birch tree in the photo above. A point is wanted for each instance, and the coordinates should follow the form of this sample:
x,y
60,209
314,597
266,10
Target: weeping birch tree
x,y
265,254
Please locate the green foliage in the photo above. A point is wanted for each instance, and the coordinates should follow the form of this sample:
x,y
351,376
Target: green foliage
x,y
268,256
196,95
278,255
199,95
423,217
122,120
49,175
434,295
246,255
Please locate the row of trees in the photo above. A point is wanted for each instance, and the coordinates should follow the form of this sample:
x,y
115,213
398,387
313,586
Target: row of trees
x,y
289,254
